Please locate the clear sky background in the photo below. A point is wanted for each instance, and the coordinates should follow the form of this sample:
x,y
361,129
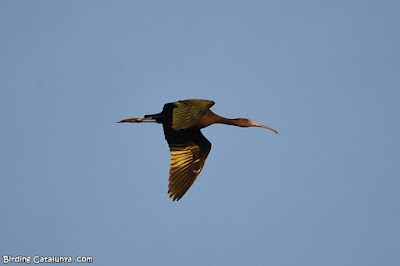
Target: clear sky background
x,y
325,74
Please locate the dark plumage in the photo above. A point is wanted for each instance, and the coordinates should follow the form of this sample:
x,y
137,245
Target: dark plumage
x,y
182,122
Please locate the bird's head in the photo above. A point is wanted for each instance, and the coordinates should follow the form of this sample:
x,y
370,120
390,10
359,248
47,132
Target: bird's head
x,y
244,122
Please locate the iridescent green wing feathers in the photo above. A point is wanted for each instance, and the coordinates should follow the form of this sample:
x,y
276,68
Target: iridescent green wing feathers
x,y
187,161
188,112
186,164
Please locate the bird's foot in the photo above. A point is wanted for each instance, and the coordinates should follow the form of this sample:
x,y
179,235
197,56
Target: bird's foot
x,y
131,120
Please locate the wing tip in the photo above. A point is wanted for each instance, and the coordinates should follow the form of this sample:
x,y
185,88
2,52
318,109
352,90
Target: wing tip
x,y
175,197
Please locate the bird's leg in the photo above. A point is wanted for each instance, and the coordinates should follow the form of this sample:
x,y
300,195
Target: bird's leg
x,y
137,120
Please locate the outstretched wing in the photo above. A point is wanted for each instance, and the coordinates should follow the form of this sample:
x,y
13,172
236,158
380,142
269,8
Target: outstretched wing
x,y
187,161
188,112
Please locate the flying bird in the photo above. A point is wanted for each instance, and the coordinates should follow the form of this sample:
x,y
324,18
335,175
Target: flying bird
x,y
182,122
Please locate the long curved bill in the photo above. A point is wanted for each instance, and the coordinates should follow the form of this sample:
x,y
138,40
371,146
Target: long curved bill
x,y
259,125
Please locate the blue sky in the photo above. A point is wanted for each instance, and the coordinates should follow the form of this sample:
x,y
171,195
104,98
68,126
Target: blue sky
x,y
325,74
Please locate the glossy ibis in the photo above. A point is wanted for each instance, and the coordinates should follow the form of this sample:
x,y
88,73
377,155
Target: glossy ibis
x,y
182,122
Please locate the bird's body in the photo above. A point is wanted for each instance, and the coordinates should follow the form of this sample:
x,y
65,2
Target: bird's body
x,y
182,122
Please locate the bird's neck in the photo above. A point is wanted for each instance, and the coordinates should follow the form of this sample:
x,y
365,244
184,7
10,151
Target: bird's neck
x,y
226,121
210,118
222,120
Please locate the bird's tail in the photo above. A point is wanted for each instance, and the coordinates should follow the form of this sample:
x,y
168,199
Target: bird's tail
x,y
152,116
157,117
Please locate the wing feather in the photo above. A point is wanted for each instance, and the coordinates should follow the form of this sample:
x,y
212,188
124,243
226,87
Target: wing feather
x,y
188,112
187,161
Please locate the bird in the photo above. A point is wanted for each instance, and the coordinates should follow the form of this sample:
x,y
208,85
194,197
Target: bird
x,y
182,122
